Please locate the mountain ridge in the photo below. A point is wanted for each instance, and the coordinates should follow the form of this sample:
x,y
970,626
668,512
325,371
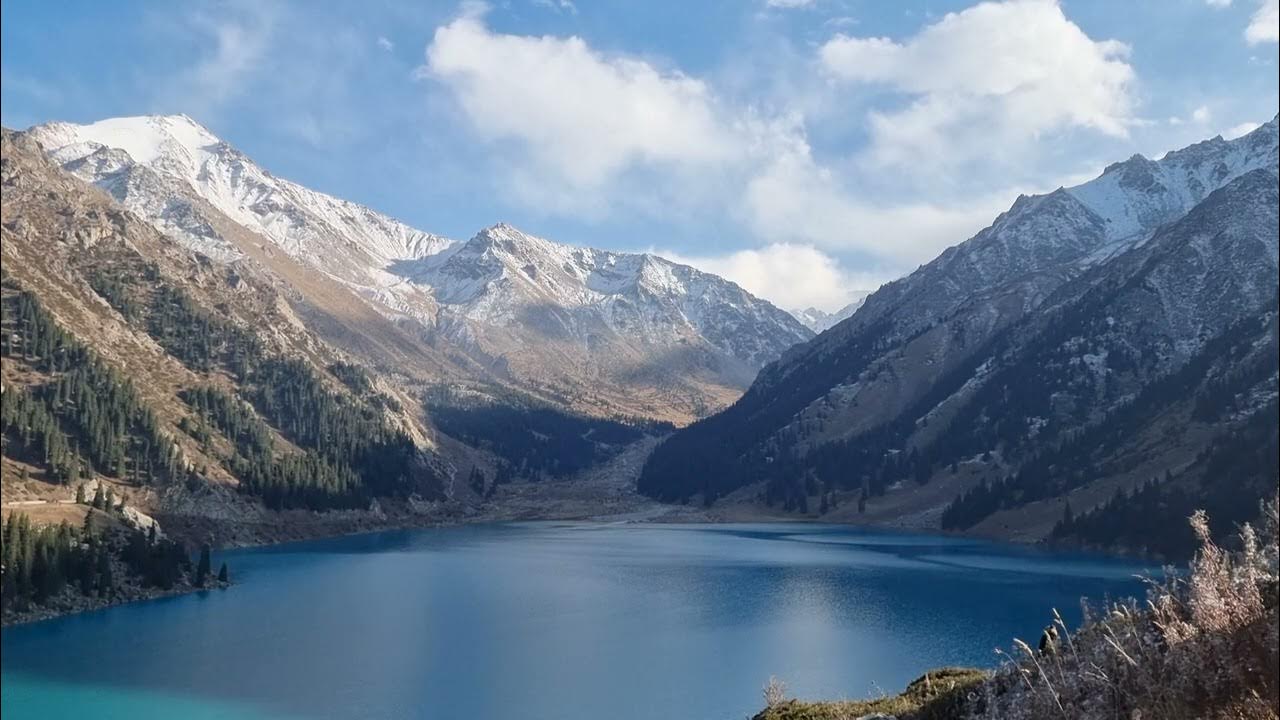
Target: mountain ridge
x,y
896,392
601,348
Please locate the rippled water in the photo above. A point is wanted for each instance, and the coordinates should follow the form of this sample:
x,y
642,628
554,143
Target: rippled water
x,y
561,621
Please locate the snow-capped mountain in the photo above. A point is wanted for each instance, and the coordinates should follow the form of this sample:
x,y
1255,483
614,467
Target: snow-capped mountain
x,y
162,167
1042,241
819,320
498,276
614,332
1095,314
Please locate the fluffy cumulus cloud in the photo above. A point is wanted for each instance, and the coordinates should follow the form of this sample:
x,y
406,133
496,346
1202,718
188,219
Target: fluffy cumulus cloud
x,y
1243,128
1264,26
574,127
792,276
1009,72
583,117
794,198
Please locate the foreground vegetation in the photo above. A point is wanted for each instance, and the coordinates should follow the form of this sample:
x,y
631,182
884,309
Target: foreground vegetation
x,y
1204,646
938,695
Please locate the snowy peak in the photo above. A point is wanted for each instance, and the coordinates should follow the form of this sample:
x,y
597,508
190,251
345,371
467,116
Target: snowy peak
x,y
570,321
145,139
166,167
1137,195
501,272
819,320
1042,240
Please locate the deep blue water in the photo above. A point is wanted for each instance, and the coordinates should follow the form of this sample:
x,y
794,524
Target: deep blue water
x,y
543,621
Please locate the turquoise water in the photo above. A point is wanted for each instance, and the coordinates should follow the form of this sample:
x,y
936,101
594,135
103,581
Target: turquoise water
x,y
543,621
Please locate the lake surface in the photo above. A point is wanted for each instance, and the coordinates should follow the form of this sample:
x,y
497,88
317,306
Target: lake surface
x,y
551,621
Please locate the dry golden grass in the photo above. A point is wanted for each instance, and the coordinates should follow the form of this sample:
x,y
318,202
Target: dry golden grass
x,y
938,695
1204,646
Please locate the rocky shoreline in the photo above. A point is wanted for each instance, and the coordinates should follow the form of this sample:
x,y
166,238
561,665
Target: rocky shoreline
x,y
73,603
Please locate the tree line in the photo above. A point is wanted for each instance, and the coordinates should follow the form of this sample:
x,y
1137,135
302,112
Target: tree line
x,y
80,416
349,452
41,563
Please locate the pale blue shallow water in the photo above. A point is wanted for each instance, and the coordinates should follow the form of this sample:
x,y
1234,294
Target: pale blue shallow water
x,y
551,621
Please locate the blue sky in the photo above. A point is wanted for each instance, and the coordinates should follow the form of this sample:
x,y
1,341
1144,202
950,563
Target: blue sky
x,y
804,148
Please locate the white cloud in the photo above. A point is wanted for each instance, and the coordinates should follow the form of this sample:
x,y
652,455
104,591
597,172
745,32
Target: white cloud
x,y
560,6
240,35
1006,73
1264,26
576,131
583,117
793,198
1218,3
1243,128
584,120
385,43
784,4
1202,114
791,276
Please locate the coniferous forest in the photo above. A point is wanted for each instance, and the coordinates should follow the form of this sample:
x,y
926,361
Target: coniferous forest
x,y
534,440
83,417
294,441
44,563
339,450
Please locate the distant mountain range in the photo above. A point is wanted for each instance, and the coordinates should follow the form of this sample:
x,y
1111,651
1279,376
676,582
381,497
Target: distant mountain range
x,y
1097,361
819,320
599,332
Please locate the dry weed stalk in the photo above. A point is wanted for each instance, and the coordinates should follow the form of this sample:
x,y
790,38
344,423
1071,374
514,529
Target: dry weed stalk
x,y
1204,647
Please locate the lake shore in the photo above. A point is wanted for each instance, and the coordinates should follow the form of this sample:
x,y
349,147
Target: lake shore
x,y
598,499
620,606
72,603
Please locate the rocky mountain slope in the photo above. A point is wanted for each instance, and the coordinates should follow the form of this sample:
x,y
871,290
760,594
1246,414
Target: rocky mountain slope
x,y
243,401
1060,353
191,388
600,332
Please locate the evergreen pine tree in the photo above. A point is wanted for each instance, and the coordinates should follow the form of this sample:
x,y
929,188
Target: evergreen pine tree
x,y
106,584
203,568
222,574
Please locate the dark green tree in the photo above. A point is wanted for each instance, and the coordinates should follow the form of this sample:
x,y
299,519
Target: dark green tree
x,y
203,568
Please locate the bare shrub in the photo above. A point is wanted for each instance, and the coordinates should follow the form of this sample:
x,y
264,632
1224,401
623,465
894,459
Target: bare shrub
x,y
775,692
1204,646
